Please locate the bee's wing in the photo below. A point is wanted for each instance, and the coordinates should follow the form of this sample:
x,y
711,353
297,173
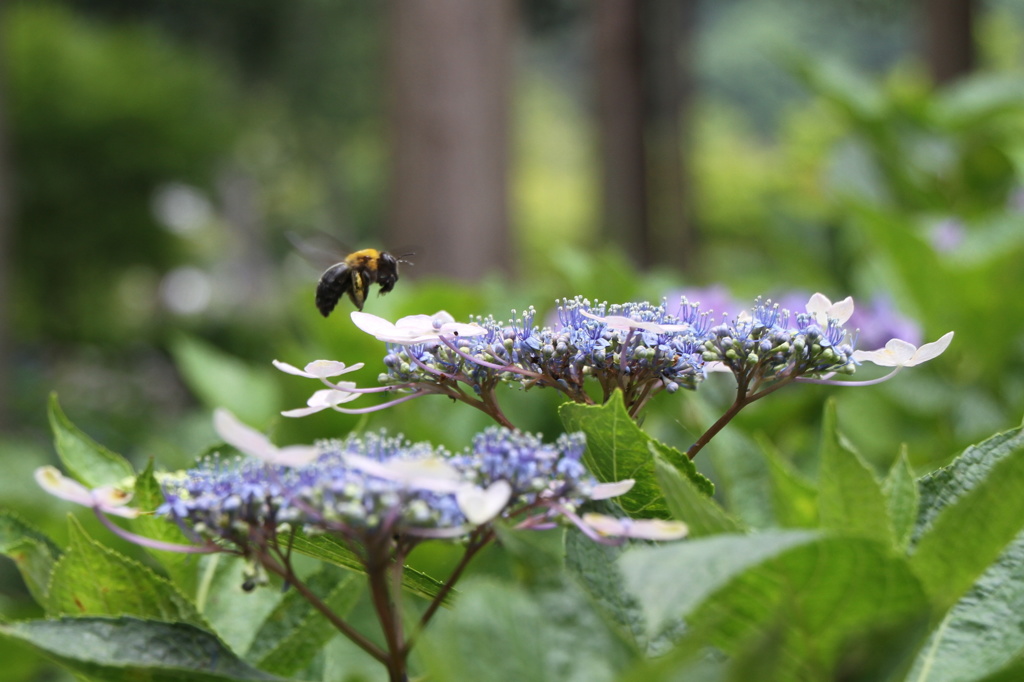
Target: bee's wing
x,y
319,248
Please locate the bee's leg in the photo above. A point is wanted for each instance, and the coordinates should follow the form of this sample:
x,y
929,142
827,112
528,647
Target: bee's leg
x,y
358,283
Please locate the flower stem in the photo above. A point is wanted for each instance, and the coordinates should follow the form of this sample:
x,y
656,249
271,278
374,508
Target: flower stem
x,y
285,571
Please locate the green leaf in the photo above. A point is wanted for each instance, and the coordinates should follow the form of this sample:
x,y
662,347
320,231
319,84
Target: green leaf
x,y
85,459
222,380
701,513
617,449
595,566
32,551
91,580
794,497
182,568
982,632
669,581
902,497
129,650
294,632
970,533
813,600
551,637
947,485
332,550
797,594
850,499
537,556
234,613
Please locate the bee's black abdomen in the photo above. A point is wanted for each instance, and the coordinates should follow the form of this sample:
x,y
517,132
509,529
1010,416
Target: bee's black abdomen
x,y
334,283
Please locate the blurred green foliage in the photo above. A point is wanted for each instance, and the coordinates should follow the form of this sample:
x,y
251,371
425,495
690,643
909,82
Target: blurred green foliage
x,y
141,112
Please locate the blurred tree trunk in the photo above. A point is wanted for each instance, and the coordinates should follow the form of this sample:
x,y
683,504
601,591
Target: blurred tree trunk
x,y
6,239
620,125
450,76
644,93
670,27
948,38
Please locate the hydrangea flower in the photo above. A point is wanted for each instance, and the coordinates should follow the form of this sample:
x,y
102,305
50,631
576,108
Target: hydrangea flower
x,y
376,486
107,499
638,348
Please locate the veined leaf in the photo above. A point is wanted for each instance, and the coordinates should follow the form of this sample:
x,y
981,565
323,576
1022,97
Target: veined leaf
x,y
850,498
84,458
687,503
32,551
129,649
617,449
91,579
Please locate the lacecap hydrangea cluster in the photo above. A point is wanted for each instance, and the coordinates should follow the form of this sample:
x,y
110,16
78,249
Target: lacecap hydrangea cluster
x,y
772,343
633,346
375,485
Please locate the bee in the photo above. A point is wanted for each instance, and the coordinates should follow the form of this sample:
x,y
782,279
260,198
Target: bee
x,y
354,275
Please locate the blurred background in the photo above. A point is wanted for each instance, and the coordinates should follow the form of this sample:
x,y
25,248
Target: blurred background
x,y
155,155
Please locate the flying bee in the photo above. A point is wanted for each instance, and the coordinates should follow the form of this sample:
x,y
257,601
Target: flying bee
x,y
354,275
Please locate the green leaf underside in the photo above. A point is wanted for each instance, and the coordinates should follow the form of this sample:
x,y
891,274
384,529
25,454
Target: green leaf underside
x,y
334,551
970,533
129,649
850,498
503,633
671,580
970,537
94,580
983,631
687,503
813,599
31,550
945,486
295,632
85,459
794,497
617,449
902,497
595,567
793,593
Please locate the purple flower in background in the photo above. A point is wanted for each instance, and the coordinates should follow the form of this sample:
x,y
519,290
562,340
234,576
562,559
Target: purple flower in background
x,y
947,235
714,299
879,321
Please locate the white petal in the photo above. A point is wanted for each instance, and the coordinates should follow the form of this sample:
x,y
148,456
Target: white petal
x,y
603,491
428,473
321,369
818,306
290,369
842,310
422,324
255,444
243,438
294,455
896,353
821,309
479,505
303,411
931,350
105,498
371,324
641,529
113,500
461,329
54,482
